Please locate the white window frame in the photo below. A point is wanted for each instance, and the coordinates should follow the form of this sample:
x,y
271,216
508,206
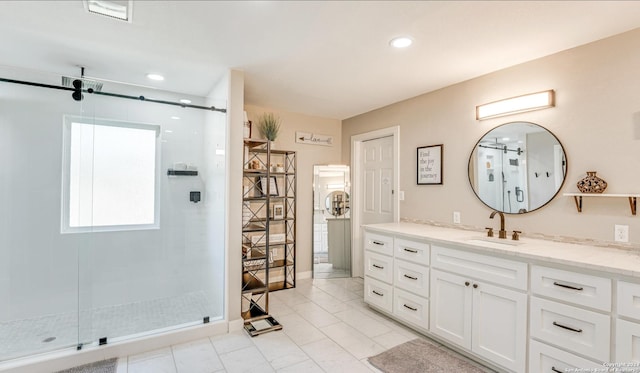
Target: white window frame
x,y
66,175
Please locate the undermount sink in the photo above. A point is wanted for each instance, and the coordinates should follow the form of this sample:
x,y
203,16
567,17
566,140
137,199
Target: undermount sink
x,y
490,241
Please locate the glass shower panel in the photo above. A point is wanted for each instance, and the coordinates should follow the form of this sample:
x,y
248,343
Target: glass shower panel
x,y
157,213
98,240
331,222
38,265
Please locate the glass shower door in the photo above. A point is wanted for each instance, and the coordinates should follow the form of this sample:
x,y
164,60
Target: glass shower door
x,y
156,217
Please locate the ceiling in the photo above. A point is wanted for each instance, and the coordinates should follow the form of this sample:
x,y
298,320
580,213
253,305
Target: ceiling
x,y
322,58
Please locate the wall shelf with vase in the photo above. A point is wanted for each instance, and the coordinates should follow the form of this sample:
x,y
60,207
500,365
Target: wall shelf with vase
x,y
631,196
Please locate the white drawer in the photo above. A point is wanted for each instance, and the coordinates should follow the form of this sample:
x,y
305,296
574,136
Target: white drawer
x,y
482,267
578,288
585,332
627,341
547,359
378,294
629,299
379,243
411,277
411,308
413,251
378,266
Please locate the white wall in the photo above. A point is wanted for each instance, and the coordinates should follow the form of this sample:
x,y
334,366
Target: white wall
x,y
596,118
307,156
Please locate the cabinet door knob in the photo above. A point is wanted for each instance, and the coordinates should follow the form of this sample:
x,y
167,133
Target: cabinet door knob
x,y
475,286
467,283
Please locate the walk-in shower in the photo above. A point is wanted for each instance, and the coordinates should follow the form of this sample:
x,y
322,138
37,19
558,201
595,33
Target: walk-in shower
x,y
101,237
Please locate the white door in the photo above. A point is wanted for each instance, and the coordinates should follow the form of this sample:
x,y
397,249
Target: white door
x,y
377,183
450,308
499,325
376,173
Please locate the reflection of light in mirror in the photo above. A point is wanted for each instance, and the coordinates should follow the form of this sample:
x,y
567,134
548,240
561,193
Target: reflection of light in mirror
x,y
335,186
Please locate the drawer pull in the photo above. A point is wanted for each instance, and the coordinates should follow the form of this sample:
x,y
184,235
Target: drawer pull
x,y
412,251
556,370
376,293
567,327
377,266
567,286
377,243
410,277
409,307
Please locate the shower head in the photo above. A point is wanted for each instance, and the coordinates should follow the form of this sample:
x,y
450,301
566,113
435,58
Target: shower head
x,y
67,81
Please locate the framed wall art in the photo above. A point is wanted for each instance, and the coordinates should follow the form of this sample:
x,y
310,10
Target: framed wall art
x,y
262,186
429,166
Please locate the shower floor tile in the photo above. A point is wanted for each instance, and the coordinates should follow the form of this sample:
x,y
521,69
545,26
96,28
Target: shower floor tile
x,y
51,332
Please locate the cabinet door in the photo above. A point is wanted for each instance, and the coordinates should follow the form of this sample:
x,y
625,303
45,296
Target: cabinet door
x,y
450,308
411,277
411,308
627,341
576,329
499,325
378,266
547,359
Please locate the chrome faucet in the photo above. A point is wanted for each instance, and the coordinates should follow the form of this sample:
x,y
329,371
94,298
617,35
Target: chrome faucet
x,y
502,233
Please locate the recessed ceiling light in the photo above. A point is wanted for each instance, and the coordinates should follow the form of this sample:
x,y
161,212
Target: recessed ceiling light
x,y
155,77
401,42
175,117
168,131
185,101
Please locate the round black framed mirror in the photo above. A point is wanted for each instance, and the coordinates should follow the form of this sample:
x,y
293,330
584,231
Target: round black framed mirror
x,y
517,167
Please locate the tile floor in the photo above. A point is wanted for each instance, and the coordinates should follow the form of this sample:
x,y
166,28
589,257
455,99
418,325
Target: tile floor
x,y
57,331
326,270
327,328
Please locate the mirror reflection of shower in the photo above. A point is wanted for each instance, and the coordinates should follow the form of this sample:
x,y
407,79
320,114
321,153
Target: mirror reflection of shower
x,y
331,221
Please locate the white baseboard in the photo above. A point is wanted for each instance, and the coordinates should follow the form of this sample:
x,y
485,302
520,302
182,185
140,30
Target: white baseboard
x,y
235,325
304,275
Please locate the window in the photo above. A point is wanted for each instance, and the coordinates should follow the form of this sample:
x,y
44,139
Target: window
x,y
111,175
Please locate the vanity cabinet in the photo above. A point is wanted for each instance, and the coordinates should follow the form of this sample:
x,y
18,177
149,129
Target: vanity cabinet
x,y
397,277
628,331
517,308
378,271
470,311
570,311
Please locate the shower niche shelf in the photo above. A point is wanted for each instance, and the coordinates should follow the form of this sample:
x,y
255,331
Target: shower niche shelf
x,y
172,172
268,231
632,197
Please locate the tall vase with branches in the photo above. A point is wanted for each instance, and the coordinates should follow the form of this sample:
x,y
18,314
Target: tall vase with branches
x,y
269,126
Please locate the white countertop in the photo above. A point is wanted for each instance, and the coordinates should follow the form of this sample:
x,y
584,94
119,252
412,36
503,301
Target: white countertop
x,y
607,259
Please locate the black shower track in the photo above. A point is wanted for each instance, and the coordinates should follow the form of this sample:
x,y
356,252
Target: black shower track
x,y
78,91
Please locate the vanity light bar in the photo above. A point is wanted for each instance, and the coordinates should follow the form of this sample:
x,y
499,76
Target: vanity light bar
x,y
519,104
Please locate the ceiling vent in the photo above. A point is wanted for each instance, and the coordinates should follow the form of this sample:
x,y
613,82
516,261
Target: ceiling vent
x,y
118,9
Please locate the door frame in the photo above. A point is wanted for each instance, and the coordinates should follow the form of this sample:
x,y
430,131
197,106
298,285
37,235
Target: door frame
x,y
357,251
